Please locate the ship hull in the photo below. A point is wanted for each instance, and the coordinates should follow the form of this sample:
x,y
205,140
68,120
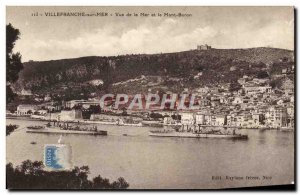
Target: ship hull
x,y
152,124
59,131
198,135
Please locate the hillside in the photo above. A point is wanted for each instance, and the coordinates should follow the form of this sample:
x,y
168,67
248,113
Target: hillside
x,y
173,71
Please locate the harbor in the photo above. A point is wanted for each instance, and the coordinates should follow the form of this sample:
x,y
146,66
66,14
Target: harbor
x,y
135,154
88,127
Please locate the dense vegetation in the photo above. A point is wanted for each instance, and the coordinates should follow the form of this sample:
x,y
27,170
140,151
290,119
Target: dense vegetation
x,y
13,61
10,128
30,175
69,79
215,64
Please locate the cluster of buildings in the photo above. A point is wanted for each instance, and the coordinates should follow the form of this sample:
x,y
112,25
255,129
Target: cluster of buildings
x,y
255,105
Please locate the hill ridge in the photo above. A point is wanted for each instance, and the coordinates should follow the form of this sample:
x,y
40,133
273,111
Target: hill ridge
x,y
216,66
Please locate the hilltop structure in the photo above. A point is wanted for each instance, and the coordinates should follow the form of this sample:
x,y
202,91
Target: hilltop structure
x,y
203,47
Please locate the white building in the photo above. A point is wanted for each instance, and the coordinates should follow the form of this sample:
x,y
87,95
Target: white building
x,y
42,112
53,116
25,92
203,47
237,100
256,119
252,89
218,120
169,120
288,87
187,118
276,117
203,90
235,120
200,119
47,98
26,109
86,103
70,115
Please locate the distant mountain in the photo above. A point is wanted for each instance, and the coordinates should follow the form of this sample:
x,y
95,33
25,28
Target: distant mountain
x,y
174,71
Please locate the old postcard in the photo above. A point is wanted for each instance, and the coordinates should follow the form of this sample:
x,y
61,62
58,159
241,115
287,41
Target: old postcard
x,y
150,97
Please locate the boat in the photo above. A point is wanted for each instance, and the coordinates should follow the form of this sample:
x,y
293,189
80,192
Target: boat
x,y
286,129
173,125
36,127
133,124
152,123
122,123
196,134
62,131
101,122
66,129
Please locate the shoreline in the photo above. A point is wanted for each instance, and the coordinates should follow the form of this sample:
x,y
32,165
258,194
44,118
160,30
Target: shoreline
x,y
81,121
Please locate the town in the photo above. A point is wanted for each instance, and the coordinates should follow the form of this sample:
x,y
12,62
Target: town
x,y
255,105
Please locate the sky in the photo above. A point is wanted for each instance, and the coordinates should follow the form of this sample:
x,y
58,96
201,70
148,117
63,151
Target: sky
x,y
59,37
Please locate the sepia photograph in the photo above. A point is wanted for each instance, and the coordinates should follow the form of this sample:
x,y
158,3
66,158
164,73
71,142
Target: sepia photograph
x,y
150,97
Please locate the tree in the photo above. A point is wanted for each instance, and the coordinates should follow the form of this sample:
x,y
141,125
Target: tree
x,y
124,112
176,117
10,129
234,86
276,83
155,115
30,168
262,75
10,95
31,175
200,68
13,60
96,109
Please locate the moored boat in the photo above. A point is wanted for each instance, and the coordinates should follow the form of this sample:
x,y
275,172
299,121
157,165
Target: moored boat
x,y
133,124
152,123
196,134
65,128
101,122
62,131
36,127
